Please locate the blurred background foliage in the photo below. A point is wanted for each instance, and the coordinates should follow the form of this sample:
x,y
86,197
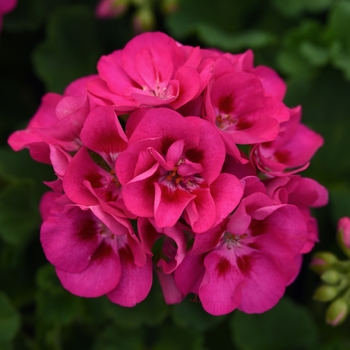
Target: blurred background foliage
x,y
44,45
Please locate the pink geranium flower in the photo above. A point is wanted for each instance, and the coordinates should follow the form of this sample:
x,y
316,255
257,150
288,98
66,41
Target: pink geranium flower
x,y
152,70
150,169
237,104
94,254
291,151
57,122
304,193
246,261
171,169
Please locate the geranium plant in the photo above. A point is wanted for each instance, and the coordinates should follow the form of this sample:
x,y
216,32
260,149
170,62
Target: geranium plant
x,y
177,163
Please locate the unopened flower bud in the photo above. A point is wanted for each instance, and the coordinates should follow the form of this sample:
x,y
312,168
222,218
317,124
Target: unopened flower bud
x,y
331,276
325,293
143,20
169,6
337,312
111,8
321,261
343,234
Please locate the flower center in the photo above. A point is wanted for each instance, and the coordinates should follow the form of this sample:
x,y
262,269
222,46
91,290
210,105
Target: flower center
x,y
174,176
233,240
104,231
223,121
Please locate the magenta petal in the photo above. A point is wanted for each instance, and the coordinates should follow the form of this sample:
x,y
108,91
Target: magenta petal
x,y
189,274
139,197
189,85
177,236
279,250
309,193
100,277
151,41
239,221
7,6
287,222
211,146
47,202
82,168
69,239
227,192
59,160
202,214
135,160
102,96
169,204
264,283
135,282
111,71
102,133
175,151
237,93
150,100
148,234
208,240
272,83
78,87
166,124
45,116
154,66
220,291
170,292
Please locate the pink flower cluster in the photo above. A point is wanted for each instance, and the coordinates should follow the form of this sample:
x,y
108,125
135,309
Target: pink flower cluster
x,y
179,161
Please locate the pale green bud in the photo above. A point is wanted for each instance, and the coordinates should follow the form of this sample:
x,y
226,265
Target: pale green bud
x,y
326,293
321,261
144,20
337,312
331,276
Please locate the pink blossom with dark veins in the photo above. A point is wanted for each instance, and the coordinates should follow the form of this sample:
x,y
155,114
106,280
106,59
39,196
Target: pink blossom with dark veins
x,y
172,169
292,149
151,70
243,114
95,255
247,261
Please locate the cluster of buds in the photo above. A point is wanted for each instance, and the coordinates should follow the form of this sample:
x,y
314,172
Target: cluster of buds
x,y
144,16
335,275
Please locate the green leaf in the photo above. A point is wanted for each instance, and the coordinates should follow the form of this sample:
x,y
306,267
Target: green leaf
x,y
287,326
152,311
20,191
173,338
252,39
326,106
18,166
190,315
303,50
113,338
18,213
340,201
9,319
338,34
27,15
218,26
56,306
294,8
71,49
